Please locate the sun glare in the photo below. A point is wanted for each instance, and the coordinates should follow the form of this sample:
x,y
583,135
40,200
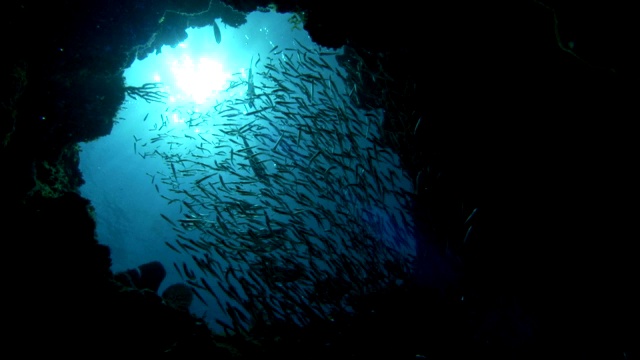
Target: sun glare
x,y
199,80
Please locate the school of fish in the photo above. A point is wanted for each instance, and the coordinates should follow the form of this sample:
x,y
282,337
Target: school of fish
x,y
290,204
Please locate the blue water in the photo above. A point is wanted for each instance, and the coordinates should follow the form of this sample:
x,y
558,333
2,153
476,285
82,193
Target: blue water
x,y
149,164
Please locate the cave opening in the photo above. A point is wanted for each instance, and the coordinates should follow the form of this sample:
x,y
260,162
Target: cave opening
x,y
243,161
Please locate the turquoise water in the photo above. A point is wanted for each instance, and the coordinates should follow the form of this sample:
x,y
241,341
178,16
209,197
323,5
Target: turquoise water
x,y
257,173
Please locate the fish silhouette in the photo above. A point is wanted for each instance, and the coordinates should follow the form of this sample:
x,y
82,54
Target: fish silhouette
x,y
251,89
258,167
216,32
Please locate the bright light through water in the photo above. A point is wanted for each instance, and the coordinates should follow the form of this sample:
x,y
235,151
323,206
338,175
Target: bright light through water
x,y
259,177
200,80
